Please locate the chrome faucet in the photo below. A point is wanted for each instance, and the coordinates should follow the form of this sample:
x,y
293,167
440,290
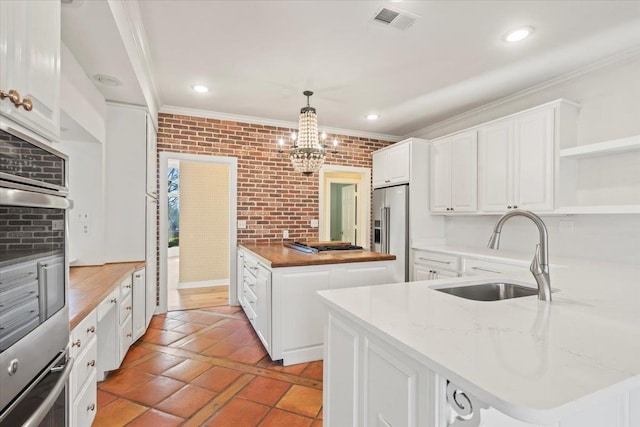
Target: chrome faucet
x,y
540,264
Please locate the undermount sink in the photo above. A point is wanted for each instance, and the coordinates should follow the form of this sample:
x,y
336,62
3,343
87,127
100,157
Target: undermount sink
x,y
492,291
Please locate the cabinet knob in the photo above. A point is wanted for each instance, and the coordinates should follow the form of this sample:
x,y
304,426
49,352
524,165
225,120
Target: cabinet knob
x,y
515,207
129,335
451,208
128,286
91,407
138,276
13,96
91,330
509,207
114,300
76,343
128,307
91,363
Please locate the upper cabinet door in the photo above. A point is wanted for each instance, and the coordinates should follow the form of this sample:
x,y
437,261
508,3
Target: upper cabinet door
x,y
399,164
464,172
392,165
495,170
30,52
152,164
379,173
534,154
440,175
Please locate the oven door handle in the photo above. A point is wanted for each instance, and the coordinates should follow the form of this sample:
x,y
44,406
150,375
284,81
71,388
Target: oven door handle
x,y
37,417
15,197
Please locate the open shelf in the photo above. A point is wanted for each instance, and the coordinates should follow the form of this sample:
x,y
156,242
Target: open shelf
x,y
615,146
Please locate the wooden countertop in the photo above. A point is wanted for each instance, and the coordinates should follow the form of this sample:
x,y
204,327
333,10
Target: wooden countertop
x,y
278,255
88,286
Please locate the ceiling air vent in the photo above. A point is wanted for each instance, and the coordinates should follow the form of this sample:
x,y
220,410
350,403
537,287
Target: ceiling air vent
x,y
395,18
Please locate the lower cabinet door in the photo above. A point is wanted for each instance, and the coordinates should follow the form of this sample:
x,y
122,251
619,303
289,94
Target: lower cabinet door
x,y
126,338
108,337
421,272
85,405
139,304
391,389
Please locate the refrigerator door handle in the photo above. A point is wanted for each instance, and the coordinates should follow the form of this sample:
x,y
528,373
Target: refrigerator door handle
x,y
386,230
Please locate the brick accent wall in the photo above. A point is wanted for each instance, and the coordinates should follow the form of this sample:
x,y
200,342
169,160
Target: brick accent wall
x,y
271,196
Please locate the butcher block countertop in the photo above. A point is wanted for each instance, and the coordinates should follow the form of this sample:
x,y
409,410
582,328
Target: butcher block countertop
x,y
277,255
88,286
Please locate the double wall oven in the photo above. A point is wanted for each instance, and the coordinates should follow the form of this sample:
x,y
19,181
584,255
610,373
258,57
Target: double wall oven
x,y
34,317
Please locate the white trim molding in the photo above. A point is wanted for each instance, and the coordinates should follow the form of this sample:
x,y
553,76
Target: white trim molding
x,y
208,114
233,216
128,19
556,81
203,284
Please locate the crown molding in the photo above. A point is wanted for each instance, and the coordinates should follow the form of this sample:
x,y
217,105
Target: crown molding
x,y
556,81
128,19
208,114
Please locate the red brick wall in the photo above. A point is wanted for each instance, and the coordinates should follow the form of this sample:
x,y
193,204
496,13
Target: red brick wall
x,y
271,196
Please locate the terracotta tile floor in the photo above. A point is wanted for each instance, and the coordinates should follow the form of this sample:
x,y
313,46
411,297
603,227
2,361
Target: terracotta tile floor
x,y
207,367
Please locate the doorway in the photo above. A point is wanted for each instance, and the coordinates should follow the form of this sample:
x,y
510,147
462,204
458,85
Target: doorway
x,y
345,204
197,231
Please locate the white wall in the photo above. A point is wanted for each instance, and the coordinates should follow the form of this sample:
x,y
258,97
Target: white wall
x,y
86,189
79,98
610,109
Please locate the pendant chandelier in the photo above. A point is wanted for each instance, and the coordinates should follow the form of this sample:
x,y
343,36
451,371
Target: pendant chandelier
x,y
308,148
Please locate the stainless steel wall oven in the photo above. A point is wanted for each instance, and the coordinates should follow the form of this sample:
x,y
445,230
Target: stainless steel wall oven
x,y
34,317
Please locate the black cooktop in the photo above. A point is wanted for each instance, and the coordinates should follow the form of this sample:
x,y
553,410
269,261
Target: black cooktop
x,y
324,247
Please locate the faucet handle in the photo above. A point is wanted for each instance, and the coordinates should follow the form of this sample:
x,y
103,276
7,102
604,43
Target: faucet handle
x,y
536,267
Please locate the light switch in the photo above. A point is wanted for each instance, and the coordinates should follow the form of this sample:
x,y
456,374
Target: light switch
x,y
242,224
285,234
314,223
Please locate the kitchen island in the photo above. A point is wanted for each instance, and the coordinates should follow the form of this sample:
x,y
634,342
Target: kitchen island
x,y
408,355
277,289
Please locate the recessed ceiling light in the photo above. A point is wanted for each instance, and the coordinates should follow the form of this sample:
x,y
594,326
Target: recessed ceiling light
x,y
107,80
200,88
373,116
519,34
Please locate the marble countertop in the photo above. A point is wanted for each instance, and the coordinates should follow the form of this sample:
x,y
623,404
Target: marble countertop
x,y
277,255
532,360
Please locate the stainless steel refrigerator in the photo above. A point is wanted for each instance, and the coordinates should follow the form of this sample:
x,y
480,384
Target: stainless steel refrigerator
x,y
391,227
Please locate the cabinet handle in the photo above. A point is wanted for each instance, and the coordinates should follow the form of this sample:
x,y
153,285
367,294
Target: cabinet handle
x,y
129,335
515,207
128,286
138,276
76,343
434,260
485,269
509,207
91,407
26,104
91,363
91,330
14,97
128,307
387,180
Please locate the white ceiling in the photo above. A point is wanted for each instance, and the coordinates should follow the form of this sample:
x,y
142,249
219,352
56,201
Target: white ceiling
x,y
258,56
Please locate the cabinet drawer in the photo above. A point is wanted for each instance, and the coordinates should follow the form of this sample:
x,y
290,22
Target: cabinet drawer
x,y
249,310
109,303
85,405
84,367
125,287
476,267
442,261
83,333
126,307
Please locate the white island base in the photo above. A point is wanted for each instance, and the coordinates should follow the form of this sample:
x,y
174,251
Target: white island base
x,y
369,381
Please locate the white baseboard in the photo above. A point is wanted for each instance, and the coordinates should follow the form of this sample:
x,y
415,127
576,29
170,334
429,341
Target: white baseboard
x,y
173,251
202,284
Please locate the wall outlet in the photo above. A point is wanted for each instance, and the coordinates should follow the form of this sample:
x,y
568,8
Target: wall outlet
x,y
57,225
242,224
82,216
314,223
285,234
86,230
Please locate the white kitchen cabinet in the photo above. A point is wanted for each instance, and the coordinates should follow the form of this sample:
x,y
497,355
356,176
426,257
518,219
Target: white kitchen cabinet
x,y
431,266
151,260
125,317
453,181
516,162
125,183
139,303
152,163
30,64
392,165
109,326
263,305
82,381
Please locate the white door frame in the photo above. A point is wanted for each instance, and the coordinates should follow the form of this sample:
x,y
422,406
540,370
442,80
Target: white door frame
x,y
233,213
364,204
